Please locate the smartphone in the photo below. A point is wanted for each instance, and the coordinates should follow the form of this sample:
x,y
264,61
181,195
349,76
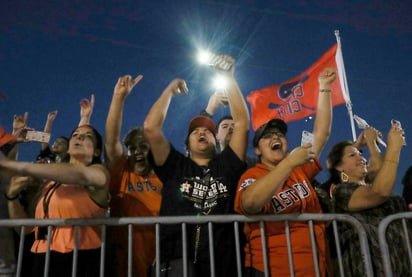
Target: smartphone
x,y
395,122
38,136
223,93
218,61
307,137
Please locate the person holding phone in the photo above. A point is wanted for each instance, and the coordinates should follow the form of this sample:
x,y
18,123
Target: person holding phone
x,y
78,188
188,179
281,183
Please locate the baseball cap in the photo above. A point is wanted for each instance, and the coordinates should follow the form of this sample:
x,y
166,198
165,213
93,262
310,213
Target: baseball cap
x,y
201,121
275,123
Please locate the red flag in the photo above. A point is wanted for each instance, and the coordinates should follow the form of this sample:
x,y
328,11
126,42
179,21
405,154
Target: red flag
x,y
296,98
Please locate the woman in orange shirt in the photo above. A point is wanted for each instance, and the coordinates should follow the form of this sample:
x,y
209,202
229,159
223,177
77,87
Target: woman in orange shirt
x,y
77,189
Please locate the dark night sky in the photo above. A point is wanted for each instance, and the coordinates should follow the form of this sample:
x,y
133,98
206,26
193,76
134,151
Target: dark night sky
x,y
54,53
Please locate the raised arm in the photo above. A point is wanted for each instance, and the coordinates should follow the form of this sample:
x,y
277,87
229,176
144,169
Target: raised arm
x,y
113,147
86,110
19,131
323,120
216,100
153,123
369,137
255,197
366,197
93,176
238,110
51,116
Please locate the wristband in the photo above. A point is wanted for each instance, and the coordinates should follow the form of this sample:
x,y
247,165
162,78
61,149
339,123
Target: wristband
x,y
325,90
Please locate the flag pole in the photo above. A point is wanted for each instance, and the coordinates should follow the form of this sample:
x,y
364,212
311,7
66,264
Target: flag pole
x,y
344,84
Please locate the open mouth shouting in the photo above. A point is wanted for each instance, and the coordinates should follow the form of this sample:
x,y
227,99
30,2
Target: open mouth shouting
x,y
202,139
139,158
276,146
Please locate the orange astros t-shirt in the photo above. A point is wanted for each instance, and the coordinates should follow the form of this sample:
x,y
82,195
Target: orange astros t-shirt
x,y
295,196
133,196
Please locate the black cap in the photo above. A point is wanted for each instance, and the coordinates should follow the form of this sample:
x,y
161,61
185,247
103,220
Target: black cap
x,y
271,124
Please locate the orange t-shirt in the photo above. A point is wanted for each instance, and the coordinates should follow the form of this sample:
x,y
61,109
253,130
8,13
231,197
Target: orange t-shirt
x,y
69,201
134,196
295,196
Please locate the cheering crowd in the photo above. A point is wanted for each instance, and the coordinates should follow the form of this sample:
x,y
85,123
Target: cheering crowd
x,y
86,175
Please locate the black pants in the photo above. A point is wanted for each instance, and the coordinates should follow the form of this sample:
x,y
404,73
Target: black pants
x,y
173,268
88,264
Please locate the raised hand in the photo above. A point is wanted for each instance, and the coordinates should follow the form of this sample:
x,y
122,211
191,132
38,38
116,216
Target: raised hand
x,y
327,76
51,116
86,107
396,137
301,155
216,100
222,63
20,121
177,87
20,127
125,84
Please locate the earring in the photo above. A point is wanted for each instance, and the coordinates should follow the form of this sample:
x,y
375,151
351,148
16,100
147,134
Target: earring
x,y
344,177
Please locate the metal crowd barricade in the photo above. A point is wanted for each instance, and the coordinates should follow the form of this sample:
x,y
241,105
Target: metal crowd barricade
x,y
210,220
383,244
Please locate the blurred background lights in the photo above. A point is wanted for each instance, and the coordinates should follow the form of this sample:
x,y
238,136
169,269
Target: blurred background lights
x,y
220,82
204,57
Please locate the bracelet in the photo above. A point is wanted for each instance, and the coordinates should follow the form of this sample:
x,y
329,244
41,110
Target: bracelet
x,y
390,161
325,90
10,198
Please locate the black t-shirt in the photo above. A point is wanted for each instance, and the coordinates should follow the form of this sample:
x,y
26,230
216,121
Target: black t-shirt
x,y
189,189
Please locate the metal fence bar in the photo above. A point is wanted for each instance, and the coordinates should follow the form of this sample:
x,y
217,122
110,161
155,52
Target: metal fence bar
x,y
264,248
211,250
129,249
184,250
289,247
21,249
314,248
75,251
237,243
47,262
408,241
210,219
103,250
157,230
338,249
383,244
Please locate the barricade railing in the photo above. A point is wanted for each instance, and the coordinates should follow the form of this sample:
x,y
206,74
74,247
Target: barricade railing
x,y
210,220
383,243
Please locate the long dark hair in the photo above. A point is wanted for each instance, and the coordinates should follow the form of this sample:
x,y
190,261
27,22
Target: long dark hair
x,y
335,156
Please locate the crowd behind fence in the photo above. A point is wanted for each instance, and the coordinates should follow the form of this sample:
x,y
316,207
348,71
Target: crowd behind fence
x,y
332,219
